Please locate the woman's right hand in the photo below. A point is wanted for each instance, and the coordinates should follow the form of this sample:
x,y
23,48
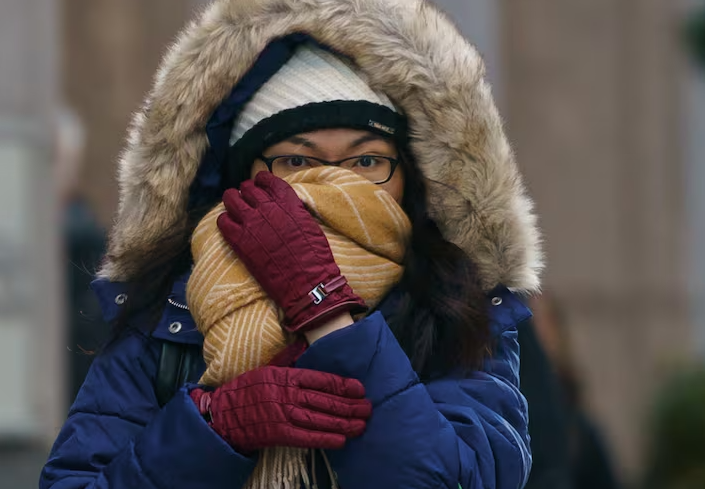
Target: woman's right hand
x,y
275,406
286,251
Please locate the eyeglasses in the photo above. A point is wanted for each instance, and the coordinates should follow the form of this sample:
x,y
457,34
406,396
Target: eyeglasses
x,y
377,169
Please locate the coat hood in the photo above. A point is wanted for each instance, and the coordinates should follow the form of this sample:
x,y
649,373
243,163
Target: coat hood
x,y
408,50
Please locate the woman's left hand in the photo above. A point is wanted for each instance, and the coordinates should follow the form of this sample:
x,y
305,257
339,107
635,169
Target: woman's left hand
x,y
286,251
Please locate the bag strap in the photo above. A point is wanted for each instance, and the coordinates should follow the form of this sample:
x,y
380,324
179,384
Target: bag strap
x,y
177,365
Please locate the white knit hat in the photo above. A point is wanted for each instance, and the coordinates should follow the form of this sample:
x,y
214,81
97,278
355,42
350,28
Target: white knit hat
x,y
312,75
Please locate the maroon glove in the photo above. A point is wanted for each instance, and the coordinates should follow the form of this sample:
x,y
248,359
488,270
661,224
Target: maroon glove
x,y
285,249
274,406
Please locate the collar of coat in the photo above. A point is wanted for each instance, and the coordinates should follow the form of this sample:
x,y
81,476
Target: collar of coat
x,y
506,310
407,48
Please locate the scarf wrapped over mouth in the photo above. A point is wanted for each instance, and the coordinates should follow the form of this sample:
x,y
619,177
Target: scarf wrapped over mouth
x,y
367,231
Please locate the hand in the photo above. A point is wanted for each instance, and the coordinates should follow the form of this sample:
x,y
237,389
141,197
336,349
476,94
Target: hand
x,y
274,406
285,249
335,324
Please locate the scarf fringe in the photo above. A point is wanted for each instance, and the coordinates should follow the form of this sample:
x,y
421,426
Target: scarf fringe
x,y
281,468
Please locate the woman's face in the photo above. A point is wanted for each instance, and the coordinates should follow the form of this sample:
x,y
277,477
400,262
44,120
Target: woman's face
x,y
336,145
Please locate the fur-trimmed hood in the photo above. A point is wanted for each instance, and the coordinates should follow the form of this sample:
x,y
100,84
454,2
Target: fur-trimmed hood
x,y
409,50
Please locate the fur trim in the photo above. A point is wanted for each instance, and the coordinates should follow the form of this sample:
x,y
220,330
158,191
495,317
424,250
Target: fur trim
x,y
410,51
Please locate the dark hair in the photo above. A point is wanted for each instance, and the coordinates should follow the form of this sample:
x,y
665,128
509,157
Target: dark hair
x,y
441,321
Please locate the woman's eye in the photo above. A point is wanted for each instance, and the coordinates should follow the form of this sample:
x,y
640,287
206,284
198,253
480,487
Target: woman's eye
x,y
367,161
297,161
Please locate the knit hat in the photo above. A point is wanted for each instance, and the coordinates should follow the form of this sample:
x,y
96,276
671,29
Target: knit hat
x,y
316,89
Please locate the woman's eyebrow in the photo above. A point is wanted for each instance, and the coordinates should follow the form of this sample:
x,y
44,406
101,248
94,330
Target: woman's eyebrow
x,y
302,142
365,139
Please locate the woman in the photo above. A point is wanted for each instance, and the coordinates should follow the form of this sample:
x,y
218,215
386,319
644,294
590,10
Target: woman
x,y
260,89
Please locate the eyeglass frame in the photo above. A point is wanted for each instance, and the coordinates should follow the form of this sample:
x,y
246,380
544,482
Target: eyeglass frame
x,y
269,161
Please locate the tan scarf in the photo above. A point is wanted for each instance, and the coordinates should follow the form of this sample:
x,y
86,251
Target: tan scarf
x,y
367,231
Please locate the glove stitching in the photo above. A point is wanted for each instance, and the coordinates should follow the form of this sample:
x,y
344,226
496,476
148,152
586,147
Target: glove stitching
x,y
305,235
296,385
259,403
275,262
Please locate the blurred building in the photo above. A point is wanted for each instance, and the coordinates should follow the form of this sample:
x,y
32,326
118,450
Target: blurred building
x,y
111,49
593,97
607,122
30,285
95,57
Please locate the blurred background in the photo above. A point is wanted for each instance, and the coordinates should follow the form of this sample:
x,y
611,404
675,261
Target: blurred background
x,y
605,104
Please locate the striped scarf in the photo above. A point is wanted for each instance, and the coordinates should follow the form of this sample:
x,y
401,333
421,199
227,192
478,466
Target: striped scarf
x,y
367,231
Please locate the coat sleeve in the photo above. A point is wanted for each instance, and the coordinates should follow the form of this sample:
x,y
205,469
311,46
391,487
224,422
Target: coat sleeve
x,y
468,432
116,436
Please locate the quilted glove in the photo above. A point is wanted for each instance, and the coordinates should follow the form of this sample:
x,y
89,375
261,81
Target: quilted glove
x,y
275,406
286,251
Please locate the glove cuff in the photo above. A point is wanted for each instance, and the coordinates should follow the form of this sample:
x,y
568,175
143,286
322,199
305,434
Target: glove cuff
x,y
289,355
317,295
202,399
340,301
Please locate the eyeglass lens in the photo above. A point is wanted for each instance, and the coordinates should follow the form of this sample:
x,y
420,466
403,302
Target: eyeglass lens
x,y
376,169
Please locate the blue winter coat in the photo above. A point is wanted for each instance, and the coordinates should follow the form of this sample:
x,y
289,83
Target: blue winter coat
x,y
468,432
